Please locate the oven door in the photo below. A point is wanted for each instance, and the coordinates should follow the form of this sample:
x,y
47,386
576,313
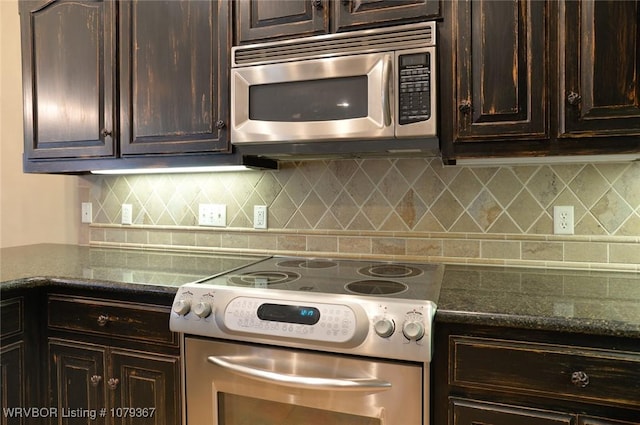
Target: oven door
x,y
237,384
348,97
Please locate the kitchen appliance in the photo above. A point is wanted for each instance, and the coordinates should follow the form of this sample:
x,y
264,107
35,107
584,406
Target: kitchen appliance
x,y
376,84
293,340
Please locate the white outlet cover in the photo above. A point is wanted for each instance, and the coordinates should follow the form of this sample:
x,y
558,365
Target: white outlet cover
x,y
127,214
86,215
563,220
259,216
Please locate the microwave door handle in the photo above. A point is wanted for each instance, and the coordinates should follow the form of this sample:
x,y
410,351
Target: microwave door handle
x,y
235,365
386,90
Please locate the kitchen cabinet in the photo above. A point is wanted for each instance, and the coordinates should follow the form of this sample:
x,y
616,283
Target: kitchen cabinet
x,y
263,20
497,376
19,382
114,355
108,83
538,78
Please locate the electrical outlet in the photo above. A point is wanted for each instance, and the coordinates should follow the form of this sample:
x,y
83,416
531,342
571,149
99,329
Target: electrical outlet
x,y
86,216
259,216
563,220
212,215
127,214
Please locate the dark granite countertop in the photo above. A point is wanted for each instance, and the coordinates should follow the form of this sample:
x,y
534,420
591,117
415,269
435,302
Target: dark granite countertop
x,y
140,270
579,301
589,302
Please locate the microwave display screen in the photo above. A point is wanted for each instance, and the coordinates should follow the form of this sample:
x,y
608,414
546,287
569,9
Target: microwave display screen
x,y
330,99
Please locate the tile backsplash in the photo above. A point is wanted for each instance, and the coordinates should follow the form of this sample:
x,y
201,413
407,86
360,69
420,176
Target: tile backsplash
x,y
413,209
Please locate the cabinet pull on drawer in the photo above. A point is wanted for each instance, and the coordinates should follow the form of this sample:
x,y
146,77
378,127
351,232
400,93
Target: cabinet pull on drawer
x,y
580,379
95,380
103,319
113,383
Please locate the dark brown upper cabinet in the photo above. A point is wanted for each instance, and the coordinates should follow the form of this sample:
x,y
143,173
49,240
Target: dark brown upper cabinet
x,y
539,78
264,20
499,52
600,52
160,94
68,78
174,75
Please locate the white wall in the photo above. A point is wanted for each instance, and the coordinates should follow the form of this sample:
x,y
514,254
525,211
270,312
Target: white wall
x,y
34,208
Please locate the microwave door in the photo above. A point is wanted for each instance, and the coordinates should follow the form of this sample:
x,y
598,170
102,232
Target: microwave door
x,y
314,100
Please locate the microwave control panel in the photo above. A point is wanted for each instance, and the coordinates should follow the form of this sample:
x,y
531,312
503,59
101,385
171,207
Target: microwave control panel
x,y
414,87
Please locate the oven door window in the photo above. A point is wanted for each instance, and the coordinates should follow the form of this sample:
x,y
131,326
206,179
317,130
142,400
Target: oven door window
x,y
239,410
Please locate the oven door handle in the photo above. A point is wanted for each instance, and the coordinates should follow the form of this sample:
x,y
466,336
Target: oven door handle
x,y
307,382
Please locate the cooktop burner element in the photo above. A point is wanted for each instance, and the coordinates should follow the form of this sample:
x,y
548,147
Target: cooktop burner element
x,y
308,264
263,278
375,287
390,270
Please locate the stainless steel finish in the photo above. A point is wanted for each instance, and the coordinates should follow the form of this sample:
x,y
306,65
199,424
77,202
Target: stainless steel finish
x,y
247,367
245,130
400,403
374,53
332,45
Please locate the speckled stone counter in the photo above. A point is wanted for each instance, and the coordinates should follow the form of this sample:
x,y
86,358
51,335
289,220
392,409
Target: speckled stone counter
x,y
138,270
588,302
599,303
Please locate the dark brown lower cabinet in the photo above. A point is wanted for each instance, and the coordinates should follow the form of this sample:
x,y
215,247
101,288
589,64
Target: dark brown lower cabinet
x,y
12,381
112,362
493,375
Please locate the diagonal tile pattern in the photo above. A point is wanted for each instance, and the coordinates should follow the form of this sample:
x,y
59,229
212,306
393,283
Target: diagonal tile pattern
x,y
409,194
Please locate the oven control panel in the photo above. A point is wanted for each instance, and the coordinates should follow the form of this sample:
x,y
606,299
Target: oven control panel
x,y
394,329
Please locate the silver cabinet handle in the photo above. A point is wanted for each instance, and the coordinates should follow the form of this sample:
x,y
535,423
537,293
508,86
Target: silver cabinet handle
x,y
309,382
95,380
113,383
580,379
103,319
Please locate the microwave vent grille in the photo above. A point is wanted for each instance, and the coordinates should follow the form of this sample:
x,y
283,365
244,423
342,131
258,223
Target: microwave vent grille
x,y
342,44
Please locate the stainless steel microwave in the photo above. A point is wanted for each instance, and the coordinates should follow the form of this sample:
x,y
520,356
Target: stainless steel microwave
x,y
361,85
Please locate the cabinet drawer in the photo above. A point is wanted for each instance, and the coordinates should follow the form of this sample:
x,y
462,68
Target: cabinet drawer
x,y
557,371
115,319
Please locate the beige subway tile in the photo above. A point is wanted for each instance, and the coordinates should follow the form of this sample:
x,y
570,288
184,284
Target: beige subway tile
x,y
114,235
183,238
263,241
137,236
461,248
551,251
234,240
586,251
322,243
159,237
208,239
388,246
97,235
354,245
624,253
500,249
424,247
292,243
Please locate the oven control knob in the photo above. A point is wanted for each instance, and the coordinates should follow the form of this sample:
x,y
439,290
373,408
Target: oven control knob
x,y
182,307
413,330
202,309
384,327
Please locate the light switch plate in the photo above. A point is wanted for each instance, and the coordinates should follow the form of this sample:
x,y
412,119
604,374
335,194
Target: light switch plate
x,y
127,214
212,215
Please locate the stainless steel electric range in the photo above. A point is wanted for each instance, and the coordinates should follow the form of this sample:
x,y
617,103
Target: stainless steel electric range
x,y
280,337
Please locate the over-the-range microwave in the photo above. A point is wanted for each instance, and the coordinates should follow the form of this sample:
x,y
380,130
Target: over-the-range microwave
x,y
361,90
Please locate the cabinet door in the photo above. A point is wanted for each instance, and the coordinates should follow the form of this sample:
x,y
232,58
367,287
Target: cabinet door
x,y
174,76
351,14
12,382
149,383
67,55
499,51
76,381
467,412
262,20
600,51
588,420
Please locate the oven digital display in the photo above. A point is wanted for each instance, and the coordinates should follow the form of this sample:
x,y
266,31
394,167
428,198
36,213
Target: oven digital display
x,y
289,314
